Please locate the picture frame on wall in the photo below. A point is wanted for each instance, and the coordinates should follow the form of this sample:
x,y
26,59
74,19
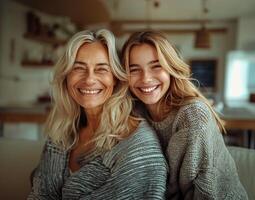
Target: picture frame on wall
x,y
205,72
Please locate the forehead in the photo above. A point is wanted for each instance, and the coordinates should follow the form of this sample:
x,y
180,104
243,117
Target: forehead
x,y
92,51
143,52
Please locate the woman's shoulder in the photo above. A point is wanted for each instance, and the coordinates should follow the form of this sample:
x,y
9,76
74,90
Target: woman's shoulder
x,y
51,147
194,113
144,131
142,144
143,136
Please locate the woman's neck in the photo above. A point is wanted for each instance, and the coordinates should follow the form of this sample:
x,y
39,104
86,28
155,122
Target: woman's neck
x,y
158,112
93,118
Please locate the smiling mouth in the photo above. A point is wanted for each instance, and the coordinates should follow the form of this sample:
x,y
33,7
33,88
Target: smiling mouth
x,y
148,90
89,92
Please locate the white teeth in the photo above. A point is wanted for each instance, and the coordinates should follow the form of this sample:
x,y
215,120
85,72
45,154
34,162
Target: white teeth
x,y
89,91
148,89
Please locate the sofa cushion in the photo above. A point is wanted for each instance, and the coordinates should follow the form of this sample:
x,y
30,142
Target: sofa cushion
x,y
245,163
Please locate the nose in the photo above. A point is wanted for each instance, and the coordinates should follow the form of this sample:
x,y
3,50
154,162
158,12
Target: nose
x,y
90,78
146,76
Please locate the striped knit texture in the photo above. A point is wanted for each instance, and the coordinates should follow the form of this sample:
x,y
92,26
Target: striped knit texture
x,y
135,168
199,163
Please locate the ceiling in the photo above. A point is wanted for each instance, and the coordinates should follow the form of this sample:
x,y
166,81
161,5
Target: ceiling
x,y
179,9
82,12
85,12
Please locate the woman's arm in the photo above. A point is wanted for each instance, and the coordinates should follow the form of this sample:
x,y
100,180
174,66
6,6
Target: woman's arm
x,y
48,176
200,164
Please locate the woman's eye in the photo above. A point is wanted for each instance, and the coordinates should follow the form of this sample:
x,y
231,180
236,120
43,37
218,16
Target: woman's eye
x,y
102,69
156,67
78,68
134,70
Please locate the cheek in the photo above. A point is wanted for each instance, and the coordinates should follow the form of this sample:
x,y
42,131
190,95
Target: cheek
x,y
71,80
165,77
131,81
109,82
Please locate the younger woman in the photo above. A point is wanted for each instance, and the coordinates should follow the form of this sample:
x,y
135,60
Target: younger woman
x,y
188,128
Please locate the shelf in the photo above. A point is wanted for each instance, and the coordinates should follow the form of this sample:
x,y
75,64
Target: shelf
x,y
45,39
28,63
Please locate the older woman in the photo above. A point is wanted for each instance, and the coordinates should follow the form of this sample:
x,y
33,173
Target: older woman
x,y
95,148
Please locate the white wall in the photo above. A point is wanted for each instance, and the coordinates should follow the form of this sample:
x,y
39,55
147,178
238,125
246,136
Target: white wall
x,y
19,84
246,33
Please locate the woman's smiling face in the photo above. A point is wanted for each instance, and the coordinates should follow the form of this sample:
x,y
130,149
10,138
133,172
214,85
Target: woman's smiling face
x,y
91,82
148,80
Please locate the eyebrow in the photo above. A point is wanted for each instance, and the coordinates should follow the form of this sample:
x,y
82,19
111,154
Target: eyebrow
x,y
85,64
149,63
153,62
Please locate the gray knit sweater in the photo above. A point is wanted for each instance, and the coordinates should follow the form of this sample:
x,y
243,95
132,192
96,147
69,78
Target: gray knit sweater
x,y
199,163
135,168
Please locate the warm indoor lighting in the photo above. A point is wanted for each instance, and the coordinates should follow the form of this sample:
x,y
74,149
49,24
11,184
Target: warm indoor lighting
x,y
202,38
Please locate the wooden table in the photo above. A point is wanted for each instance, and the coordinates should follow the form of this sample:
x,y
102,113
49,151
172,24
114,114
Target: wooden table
x,y
242,120
243,124
31,114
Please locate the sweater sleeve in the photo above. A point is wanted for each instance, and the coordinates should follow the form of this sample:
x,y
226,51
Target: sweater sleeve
x,y
139,171
47,180
206,169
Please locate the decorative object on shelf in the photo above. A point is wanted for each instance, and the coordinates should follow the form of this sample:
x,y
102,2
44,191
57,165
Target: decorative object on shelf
x,y
202,36
33,23
41,31
64,29
46,53
51,38
44,98
37,58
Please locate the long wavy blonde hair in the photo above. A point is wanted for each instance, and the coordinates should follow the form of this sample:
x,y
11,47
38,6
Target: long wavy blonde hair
x,y
67,117
181,90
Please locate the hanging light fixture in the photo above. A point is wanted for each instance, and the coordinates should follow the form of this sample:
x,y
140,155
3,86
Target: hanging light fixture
x,y
202,36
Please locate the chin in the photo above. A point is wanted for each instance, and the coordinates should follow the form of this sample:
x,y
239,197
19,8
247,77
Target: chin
x,y
90,106
149,102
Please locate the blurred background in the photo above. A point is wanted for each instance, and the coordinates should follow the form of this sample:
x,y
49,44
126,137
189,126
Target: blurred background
x,y
216,37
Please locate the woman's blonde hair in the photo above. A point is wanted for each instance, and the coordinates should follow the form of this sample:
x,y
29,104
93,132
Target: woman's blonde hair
x,y
67,117
181,90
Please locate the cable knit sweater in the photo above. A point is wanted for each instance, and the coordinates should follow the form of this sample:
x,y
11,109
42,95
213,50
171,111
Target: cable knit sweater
x,y
135,168
200,165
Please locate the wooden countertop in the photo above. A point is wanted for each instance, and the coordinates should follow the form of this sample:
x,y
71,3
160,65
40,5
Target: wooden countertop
x,y
35,113
239,117
235,118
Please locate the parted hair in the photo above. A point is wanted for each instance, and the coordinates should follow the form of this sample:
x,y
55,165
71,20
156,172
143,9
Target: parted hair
x,y
181,90
67,116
